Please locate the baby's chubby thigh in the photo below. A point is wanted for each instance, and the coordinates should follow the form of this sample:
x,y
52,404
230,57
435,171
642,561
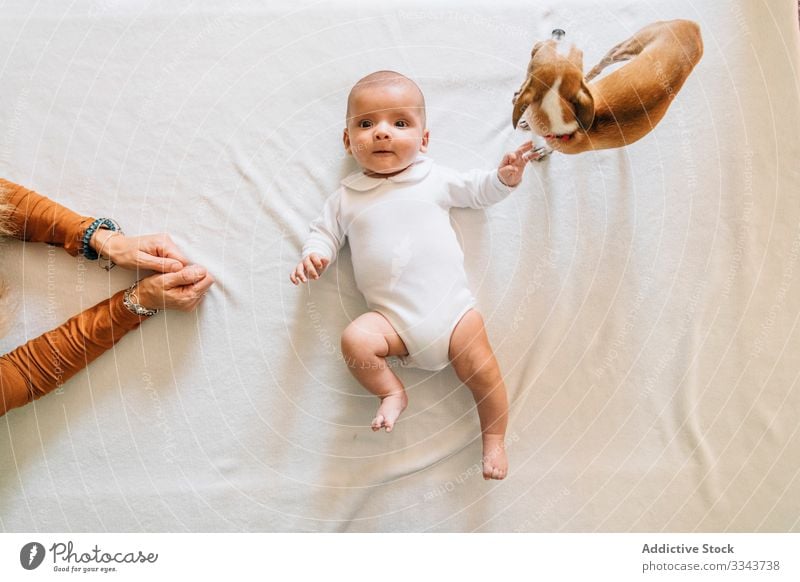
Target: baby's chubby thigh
x,y
469,341
371,335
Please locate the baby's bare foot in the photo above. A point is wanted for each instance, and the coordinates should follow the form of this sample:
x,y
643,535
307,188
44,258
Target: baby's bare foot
x,y
495,462
390,408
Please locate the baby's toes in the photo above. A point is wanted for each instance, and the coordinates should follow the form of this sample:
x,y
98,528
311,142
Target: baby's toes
x,y
490,471
377,422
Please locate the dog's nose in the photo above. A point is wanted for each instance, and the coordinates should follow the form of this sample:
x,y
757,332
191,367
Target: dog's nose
x,y
557,34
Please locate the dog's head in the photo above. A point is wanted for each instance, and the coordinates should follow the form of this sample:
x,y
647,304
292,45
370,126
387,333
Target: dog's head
x,y
554,100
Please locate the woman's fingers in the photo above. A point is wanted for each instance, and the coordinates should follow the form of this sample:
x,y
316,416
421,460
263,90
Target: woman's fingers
x,y
170,250
186,276
155,252
182,290
160,264
203,285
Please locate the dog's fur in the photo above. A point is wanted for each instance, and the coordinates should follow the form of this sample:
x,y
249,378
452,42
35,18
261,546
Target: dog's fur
x,y
574,115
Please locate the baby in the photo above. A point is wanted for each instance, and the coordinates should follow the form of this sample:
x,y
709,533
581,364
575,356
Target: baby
x,y
406,257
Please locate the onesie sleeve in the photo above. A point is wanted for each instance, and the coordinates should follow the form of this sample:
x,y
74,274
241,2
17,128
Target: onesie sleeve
x,y
35,218
326,234
45,363
476,189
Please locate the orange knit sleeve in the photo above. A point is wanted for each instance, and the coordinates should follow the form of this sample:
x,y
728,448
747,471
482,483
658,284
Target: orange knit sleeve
x,y
36,218
41,365
45,363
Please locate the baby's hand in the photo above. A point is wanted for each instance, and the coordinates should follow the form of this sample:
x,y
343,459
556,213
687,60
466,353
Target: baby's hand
x,y
513,165
312,266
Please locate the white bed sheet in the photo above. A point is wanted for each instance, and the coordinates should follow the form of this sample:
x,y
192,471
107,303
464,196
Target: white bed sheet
x,y
643,303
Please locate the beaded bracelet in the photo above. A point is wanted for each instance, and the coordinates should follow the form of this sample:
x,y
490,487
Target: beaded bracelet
x,y
106,223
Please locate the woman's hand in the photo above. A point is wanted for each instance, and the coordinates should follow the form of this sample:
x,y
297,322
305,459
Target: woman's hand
x,y
182,290
155,252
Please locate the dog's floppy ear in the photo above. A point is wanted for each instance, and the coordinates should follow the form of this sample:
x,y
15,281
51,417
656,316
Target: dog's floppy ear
x,y
523,98
584,106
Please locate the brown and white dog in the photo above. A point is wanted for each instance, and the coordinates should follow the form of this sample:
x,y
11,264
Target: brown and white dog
x,y
574,116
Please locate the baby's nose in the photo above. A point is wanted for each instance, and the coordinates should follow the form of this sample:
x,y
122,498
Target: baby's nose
x,y
382,131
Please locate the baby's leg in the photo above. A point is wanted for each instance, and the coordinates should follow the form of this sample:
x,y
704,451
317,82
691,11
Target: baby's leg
x,y
476,366
366,343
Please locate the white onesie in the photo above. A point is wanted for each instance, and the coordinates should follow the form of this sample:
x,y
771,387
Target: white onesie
x,y
406,258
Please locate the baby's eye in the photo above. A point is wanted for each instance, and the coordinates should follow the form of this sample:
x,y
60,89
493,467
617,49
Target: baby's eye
x,y
401,123
364,123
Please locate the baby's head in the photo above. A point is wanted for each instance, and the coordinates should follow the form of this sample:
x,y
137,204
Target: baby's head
x,y
385,123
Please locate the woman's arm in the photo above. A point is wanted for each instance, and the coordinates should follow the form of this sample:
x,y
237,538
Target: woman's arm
x,y
45,363
36,218
42,364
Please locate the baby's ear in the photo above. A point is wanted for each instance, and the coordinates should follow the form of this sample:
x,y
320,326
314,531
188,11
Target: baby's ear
x,y
346,141
425,137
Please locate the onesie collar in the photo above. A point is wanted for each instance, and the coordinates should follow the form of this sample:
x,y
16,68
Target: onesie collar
x,y
414,173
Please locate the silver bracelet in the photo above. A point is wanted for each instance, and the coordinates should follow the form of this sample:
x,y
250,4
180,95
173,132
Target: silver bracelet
x,y
131,302
111,264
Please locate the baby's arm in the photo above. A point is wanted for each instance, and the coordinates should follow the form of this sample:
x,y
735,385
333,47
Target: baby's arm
x,y
325,239
481,188
512,166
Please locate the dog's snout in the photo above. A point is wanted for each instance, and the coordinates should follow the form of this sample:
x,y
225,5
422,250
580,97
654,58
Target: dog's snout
x,y
557,34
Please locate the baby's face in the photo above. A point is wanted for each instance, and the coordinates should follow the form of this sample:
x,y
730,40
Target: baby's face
x,y
385,130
